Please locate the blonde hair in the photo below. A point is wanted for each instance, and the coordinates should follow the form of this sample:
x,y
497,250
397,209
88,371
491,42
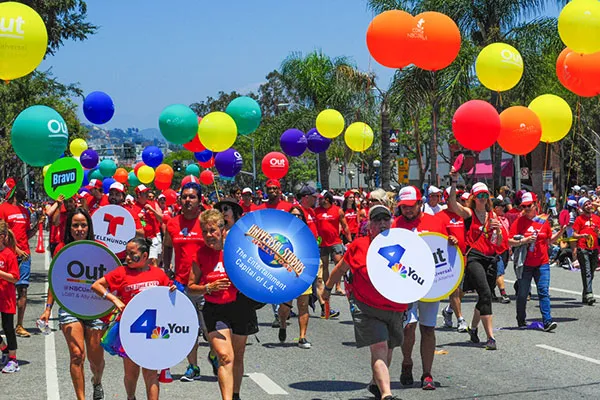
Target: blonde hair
x,y
9,236
212,215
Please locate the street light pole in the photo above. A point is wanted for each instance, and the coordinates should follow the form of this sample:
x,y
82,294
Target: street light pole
x,y
377,165
253,164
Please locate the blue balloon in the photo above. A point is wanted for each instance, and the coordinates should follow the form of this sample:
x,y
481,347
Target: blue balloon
x,y
203,156
106,184
316,142
229,162
265,279
86,180
293,142
98,108
152,156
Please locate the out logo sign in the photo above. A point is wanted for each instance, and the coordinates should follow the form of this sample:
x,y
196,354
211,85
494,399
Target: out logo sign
x,y
158,328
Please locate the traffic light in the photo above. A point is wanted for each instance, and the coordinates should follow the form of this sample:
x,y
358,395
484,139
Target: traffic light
x,y
341,168
177,165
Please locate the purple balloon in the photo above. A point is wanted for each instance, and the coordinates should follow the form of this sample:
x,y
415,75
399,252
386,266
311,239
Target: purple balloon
x,y
89,159
316,142
203,156
106,184
293,142
229,162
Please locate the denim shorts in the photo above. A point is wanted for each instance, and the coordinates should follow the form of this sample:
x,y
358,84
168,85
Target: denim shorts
x,y
24,272
65,318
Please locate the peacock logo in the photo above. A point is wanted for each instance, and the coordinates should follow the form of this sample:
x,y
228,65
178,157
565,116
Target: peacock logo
x,y
160,333
403,271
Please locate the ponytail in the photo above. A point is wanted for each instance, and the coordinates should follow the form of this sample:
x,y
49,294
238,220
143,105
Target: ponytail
x,y
9,236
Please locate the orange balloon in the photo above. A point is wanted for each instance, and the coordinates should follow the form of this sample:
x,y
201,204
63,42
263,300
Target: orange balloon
x,y
436,40
121,175
388,40
163,172
582,73
520,130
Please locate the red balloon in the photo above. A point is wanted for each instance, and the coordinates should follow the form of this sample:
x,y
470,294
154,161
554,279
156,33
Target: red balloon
x,y
436,40
207,164
476,125
521,130
162,184
195,145
170,196
580,73
275,165
207,177
388,40
138,166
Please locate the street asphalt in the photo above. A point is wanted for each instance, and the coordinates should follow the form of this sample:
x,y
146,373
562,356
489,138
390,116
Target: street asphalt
x,y
528,364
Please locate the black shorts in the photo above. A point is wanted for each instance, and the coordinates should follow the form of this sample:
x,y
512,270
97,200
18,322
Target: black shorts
x,y
239,316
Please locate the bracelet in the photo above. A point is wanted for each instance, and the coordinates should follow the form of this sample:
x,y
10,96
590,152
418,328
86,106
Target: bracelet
x,y
49,305
105,294
207,289
328,289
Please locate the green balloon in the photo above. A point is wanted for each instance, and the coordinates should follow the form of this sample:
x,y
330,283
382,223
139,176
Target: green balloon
x,y
133,180
246,113
39,136
178,124
95,174
107,168
193,169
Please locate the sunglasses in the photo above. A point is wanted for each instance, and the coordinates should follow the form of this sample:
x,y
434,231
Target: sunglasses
x,y
297,215
226,208
272,188
483,196
529,206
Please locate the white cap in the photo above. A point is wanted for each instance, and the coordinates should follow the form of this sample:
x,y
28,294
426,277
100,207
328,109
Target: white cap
x,y
247,190
572,203
432,190
479,187
527,199
409,195
576,188
465,196
129,198
117,186
162,196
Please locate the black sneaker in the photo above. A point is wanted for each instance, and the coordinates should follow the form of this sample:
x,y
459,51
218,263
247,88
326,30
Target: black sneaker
x,y
550,326
276,323
282,334
406,376
494,298
473,335
390,397
98,391
374,390
521,324
590,300
504,299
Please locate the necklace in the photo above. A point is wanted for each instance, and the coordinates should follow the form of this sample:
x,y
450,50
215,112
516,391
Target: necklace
x,y
480,215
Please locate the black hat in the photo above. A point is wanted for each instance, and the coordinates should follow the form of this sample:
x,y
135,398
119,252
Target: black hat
x,y
307,190
379,210
230,202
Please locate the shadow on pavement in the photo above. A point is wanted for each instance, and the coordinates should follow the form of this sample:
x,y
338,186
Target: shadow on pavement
x,y
329,386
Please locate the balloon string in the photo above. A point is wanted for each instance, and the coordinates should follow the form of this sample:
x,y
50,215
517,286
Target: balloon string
x,y
577,112
546,157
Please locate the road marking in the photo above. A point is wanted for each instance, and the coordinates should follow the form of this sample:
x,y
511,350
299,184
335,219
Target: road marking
x,y
568,353
266,383
50,346
557,289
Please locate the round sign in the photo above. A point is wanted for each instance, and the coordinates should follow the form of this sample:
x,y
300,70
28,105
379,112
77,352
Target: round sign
x,y
115,226
72,272
158,328
400,265
449,266
65,177
271,256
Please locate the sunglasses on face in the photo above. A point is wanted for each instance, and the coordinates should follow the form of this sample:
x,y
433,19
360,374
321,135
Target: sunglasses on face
x,y
272,188
483,196
226,208
529,206
297,215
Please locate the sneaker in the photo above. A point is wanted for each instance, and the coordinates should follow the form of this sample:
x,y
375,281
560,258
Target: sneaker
x,y
98,391
282,334
473,335
332,313
390,397
494,297
491,344
590,300
447,318
462,325
305,344
214,362
236,396
521,324
550,326
10,367
276,323
4,359
21,332
406,376
374,390
191,374
427,383
504,299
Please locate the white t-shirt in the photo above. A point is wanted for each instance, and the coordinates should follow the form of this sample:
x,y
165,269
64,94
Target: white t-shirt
x,y
427,209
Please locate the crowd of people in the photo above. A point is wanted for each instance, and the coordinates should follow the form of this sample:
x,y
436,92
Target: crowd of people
x,y
180,240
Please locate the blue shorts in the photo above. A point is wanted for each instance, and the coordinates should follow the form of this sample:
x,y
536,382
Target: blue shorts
x,y
66,318
500,267
24,272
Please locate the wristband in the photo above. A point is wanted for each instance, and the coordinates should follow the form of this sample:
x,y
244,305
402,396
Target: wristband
x,y
208,289
328,289
49,305
105,294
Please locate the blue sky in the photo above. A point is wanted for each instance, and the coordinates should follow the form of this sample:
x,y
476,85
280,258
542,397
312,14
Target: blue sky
x,y
149,54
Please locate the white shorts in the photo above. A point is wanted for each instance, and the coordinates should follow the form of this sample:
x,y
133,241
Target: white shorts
x,y
156,248
423,313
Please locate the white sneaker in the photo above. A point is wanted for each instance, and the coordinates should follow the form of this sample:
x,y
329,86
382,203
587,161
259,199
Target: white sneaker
x,y
447,314
11,367
462,325
304,344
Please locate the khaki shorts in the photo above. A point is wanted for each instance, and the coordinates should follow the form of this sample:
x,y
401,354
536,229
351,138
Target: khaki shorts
x,y
336,249
373,325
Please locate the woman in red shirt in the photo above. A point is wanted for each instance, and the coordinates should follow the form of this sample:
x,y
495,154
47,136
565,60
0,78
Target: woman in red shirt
x,y
351,213
483,236
229,316
126,282
9,274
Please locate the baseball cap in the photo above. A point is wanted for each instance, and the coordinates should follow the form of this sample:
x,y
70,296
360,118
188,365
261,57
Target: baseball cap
x,y
378,210
117,186
189,179
273,182
479,187
378,194
141,189
409,195
9,188
326,195
576,188
433,190
528,198
95,184
247,190
572,203
465,196
162,196
307,190
582,201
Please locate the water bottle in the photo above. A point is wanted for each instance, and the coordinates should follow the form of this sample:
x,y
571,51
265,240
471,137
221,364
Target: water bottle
x,y
532,244
43,327
494,237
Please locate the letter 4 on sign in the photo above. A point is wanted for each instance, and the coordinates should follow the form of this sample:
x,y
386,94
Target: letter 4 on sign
x,y
393,254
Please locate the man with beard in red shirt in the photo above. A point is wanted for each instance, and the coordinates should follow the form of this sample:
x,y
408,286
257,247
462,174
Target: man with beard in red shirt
x,y
274,197
246,203
95,198
151,216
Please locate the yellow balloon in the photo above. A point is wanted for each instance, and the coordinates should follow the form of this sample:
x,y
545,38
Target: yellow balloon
x,y
359,136
45,169
554,114
23,40
217,131
330,123
499,67
579,26
145,174
77,147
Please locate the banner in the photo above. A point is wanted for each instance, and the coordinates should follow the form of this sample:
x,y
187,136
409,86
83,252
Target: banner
x,y
115,226
72,272
400,265
158,328
65,177
271,256
449,266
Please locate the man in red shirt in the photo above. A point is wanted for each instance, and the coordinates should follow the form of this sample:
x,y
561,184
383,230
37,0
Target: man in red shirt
x,y
246,203
116,196
151,217
377,320
414,219
95,198
274,197
587,229
307,196
18,220
329,219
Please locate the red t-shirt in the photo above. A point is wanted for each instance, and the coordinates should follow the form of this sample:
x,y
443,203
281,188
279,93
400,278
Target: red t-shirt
x,y
455,226
186,237
424,223
361,288
147,219
212,269
328,225
127,282
280,205
17,218
352,220
311,220
512,215
526,227
584,224
8,264
479,237
94,204
250,208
